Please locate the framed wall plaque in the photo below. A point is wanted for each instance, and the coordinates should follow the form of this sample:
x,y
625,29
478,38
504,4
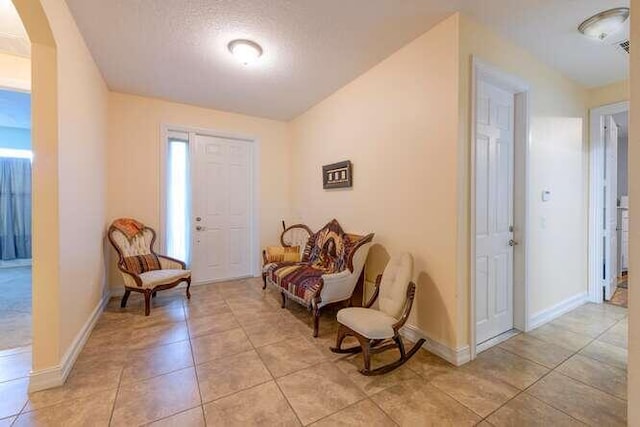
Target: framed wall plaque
x,y
337,175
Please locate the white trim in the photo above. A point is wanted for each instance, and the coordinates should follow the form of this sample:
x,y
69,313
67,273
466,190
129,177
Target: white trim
x,y
165,129
496,340
522,139
456,357
56,376
540,318
596,151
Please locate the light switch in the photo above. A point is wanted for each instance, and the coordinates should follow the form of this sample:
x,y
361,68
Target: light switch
x,y
546,195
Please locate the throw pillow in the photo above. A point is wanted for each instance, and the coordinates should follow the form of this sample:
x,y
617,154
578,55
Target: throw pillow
x,y
141,263
283,254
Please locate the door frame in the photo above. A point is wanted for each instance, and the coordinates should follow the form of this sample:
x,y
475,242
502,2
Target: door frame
x,y
254,142
596,202
481,70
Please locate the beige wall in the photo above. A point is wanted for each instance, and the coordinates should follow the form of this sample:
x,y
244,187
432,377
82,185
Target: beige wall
x,y
82,115
15,72
134,159
69,134
411,169
634,223
558,162
397,123
609,94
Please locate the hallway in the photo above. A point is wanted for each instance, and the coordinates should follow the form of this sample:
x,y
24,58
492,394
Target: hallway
x,y
231,354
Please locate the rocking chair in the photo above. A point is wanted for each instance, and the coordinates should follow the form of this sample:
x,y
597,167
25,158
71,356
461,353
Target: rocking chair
x,y
377,330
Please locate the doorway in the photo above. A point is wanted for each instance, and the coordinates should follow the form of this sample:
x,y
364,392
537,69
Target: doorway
x,y
15,222
209,209
498,206
609,206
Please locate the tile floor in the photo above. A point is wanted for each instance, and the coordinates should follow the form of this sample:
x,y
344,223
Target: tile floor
x,y
231,356
15,306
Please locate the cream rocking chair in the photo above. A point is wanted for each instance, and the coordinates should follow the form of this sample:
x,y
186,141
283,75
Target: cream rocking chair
x,y
377,330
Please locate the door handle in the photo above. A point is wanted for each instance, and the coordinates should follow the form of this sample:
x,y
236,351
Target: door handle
x,y
512,242
199,228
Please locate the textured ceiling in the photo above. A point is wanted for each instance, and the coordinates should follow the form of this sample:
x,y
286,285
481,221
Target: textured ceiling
x,y
176,49
13,37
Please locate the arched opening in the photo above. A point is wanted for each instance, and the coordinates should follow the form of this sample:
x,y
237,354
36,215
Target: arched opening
x,y
45,229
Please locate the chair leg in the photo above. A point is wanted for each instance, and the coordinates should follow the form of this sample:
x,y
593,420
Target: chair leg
x,y
284,300
147,302
400,344
264,281
125,298
366,355
404,357
188,280
343,332
316,321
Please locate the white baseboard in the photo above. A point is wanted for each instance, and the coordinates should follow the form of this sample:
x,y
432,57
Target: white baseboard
x,y
56,376
456,357
540,318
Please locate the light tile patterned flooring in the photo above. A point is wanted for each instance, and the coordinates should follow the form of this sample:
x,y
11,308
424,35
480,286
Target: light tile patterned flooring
x,y
231,356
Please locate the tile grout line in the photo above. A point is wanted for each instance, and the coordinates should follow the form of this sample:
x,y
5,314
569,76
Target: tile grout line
x,y
115,397
268,370
193,360
554,370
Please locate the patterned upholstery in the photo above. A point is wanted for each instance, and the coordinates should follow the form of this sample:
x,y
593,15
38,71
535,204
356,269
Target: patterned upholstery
x,y
140,249
301,280
327,252
138,245
142,263
154,278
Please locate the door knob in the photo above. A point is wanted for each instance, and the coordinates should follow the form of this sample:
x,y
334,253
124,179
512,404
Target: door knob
x,y
199,228
512,242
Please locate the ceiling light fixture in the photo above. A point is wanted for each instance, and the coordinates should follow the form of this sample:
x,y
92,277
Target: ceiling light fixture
x,y
603,24
245,51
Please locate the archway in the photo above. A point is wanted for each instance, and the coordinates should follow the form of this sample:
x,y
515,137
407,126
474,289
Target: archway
x,y
45,226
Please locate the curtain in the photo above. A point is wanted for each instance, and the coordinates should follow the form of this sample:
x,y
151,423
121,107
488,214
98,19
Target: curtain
x,y
15,208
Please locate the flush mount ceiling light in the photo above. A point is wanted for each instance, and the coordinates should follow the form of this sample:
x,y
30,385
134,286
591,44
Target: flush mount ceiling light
x,y
603,24
245,51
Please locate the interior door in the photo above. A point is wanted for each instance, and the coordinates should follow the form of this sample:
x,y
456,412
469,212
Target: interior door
x,y
610,265
494,211
221,188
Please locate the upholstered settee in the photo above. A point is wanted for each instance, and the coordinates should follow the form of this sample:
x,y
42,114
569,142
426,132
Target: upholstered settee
x,y
327,272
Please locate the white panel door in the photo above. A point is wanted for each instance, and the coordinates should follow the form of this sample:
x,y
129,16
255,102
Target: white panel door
x,y
610,192
221,189
494,211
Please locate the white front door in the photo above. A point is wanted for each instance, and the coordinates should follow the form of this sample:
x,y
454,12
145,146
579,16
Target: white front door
x,y
610,192
494,211
221,189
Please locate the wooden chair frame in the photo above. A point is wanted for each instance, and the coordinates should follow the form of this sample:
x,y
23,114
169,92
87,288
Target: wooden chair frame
x,y
284,244
151,292
316,307
372,346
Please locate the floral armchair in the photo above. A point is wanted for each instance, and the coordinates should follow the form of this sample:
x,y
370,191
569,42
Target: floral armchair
x,y
325,273
143,270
